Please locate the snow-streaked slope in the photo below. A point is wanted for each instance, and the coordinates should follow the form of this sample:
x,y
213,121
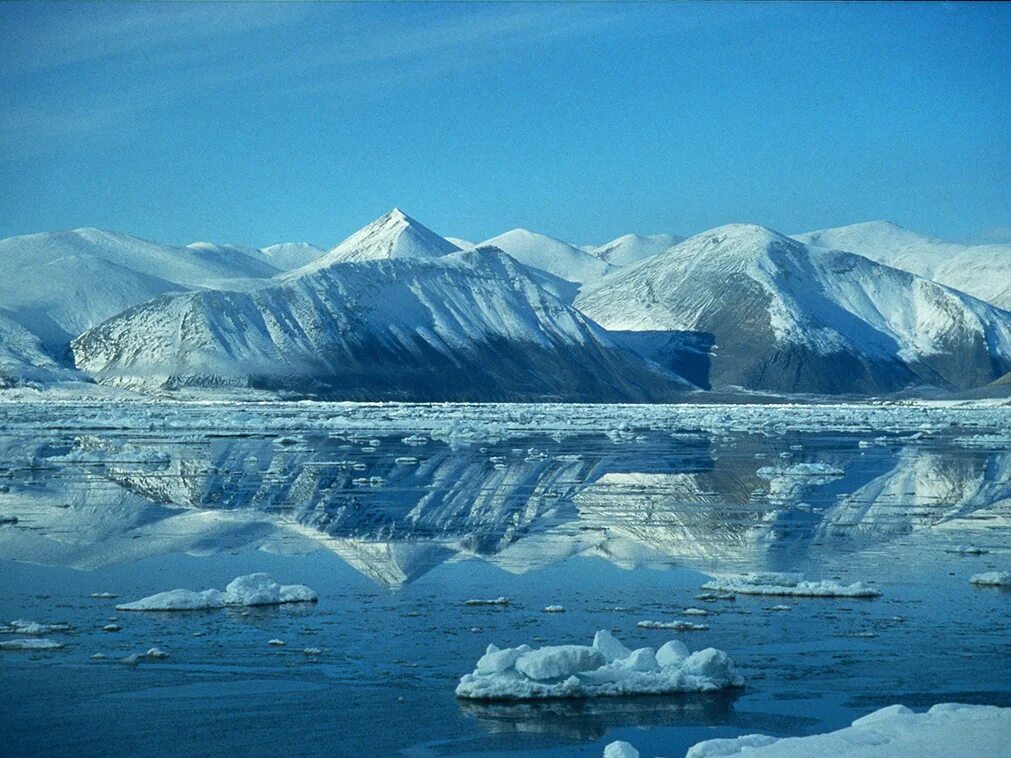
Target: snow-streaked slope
x,y
983,271
23,359
789,317
291,255
551,255
632,248
471,325
393,235
57,284
462,243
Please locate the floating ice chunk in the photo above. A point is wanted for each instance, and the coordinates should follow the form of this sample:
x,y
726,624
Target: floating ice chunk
x,y
559,661
967,550
406,460
677,626
605,642
177,600
102,595
798,470
261,589
947,729
252,589
415,439
620,749
30,644
494,601
156,653
992,579
32,628
111,628
788,584
695,612
555,609
277,643
312,651
576,671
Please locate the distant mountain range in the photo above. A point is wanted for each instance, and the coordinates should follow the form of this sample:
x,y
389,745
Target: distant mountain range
x,y
397,311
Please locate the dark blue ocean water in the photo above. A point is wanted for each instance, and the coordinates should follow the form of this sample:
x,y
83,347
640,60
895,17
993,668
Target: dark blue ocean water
x,y
617,525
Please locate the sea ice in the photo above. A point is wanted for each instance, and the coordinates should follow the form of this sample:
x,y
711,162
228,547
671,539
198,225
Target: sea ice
x,y
494,601
947,729
967,550
677,626
32,628
788,584
555,609
607,668
30,644
992,579
620,749
252,589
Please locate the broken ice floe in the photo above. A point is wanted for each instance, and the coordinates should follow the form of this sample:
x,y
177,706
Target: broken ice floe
x,y
607,668
554,609
992,579
32,628
788,584
31,644
249,590
677,626
948,729
967,550
493,601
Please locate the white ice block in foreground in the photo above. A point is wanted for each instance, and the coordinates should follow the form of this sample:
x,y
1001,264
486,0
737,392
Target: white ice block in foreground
x,y
792,585
607,668
252,589
948,729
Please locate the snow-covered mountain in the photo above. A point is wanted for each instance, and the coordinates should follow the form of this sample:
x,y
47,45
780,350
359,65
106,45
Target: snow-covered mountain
x,y
23,358
632,248
393,235
469,325
790,317
983,271
552,255
291,255
57,284
460,242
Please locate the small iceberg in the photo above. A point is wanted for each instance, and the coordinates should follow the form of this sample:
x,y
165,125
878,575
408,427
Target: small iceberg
x,y
620,749
992,579
249,590
892,732
792,585
604,669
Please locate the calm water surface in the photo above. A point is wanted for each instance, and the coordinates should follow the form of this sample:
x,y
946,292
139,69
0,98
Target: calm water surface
x,y
618,525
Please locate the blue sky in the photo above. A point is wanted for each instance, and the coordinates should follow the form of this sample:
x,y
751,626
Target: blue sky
x,y
257,123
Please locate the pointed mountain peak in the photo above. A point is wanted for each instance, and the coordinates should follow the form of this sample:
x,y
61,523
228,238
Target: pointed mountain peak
x,y
392,235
